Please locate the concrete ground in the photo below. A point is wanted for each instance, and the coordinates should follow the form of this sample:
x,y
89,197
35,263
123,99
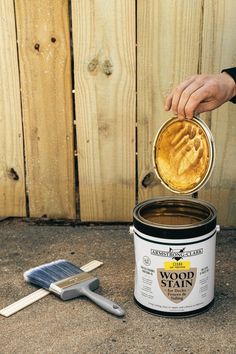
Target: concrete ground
x,y
79,326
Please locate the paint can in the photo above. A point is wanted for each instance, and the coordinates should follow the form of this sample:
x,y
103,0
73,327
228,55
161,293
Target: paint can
x,y
174,242
175,237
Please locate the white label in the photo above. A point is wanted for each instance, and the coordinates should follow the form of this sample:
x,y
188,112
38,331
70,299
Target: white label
x,y
174,278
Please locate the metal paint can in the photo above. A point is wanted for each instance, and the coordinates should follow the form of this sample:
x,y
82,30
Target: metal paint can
x,y
174,242
175,237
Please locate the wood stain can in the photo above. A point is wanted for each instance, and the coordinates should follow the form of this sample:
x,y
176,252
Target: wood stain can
x,y
175,237
174,242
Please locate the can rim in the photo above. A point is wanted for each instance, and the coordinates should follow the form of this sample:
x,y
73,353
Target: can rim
x,y
211,164
170,199
186,231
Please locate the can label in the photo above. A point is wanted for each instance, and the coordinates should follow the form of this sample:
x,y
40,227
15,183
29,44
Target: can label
x,y
174,277
175,284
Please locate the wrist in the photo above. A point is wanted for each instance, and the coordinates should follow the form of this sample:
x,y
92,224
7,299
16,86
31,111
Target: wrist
x,y
230,75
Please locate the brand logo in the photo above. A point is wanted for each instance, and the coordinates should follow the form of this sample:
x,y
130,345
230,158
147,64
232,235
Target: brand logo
x,y
146,260
177,254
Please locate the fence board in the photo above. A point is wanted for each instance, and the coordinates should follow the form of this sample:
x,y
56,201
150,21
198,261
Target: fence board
x,y
12,178
104,59
218,52
44,52
169,42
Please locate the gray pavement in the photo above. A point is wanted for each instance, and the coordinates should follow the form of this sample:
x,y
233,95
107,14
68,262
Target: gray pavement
x,y
79,326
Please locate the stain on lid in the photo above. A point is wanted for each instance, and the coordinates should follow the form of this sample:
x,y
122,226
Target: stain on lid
x,y
184,154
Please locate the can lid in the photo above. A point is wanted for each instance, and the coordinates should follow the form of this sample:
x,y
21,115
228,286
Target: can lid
x,y
184,154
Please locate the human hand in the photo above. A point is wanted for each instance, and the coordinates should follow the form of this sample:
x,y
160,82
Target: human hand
x,y
200,93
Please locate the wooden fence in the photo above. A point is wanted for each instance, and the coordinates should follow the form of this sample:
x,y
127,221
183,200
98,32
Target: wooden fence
x,y
82,91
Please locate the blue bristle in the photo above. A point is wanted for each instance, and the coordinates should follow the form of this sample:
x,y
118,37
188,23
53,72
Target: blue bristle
x,y
46,274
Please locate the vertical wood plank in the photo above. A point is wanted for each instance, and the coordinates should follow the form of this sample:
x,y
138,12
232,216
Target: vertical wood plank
x,y
169,42
44,51
104,59
219,52
12,178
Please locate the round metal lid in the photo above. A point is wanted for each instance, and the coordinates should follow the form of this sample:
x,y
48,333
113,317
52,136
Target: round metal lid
x,y
184,154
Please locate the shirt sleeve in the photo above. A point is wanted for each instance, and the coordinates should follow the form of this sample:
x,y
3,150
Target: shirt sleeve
x,y
232,73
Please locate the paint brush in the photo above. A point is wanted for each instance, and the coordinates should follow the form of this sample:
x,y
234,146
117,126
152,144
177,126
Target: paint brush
x,y
68,281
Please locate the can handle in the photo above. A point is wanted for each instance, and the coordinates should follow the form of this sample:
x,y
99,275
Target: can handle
x,y
131,230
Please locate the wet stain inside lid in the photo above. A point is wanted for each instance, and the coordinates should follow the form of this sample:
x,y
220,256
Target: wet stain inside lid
x,y
182,155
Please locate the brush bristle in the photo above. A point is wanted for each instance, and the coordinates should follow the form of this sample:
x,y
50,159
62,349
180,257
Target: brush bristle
x,y
48,273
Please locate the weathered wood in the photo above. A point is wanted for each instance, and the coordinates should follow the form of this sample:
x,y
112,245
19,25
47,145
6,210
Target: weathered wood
x,y
175,39
104,60
169,42
12,176
45,70
218,52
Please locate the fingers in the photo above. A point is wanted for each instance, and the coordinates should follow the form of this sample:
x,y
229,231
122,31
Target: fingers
x,y
189,100
181,96
173,99
200,93
168,101
207,106
191,107
186,97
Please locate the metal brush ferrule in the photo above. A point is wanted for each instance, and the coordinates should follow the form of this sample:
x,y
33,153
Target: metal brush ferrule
x,y
59,286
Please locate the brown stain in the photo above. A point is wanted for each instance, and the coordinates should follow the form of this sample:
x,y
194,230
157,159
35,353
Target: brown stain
x,y
192,133
92,65
37,46
197,143
148,179
103,129
107,67
12,174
